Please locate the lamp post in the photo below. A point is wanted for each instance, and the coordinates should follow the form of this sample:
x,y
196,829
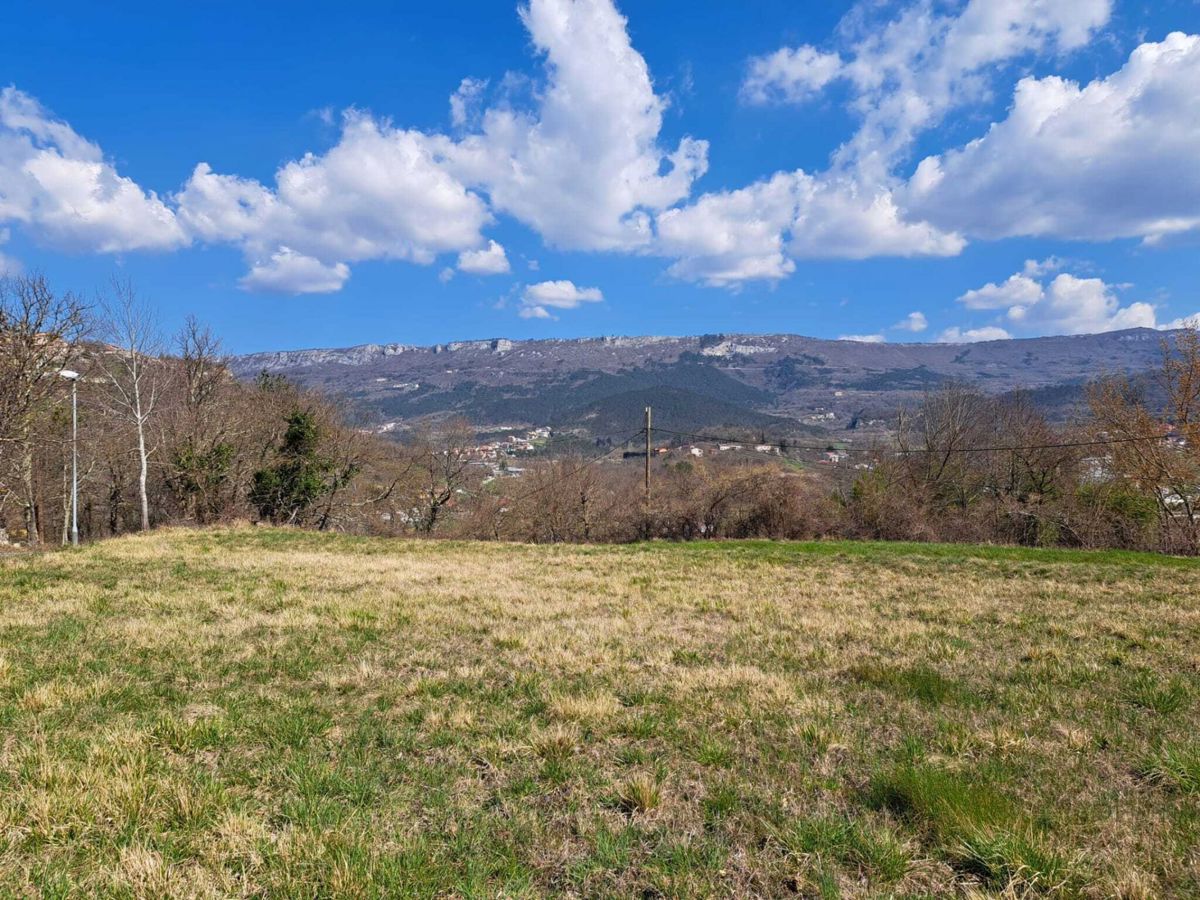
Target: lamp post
x,y
73,377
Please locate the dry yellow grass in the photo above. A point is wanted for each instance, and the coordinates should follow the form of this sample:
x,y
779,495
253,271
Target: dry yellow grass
x,y
254,712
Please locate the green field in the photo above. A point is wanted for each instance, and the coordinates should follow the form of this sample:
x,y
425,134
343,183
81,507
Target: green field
x,y
257,712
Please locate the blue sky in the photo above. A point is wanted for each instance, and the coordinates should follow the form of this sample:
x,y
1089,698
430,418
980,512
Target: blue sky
x,y
299,176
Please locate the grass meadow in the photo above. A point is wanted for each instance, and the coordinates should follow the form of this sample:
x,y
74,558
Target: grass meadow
x,y
259,712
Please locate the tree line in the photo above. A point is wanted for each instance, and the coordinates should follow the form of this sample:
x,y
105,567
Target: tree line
x,y
169,437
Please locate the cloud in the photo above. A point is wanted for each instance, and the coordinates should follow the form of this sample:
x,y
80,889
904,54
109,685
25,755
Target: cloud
x,y
904,77
731,237
8,264
491,260
584,167
1113,159
907,74
755,233
1192,321
842,218
561,294
289,272
789,75
1018,290
60,187
1067,304
973,335
581,164
1072,305
538,299
914,322
1037,268
466,101
379,193
578,154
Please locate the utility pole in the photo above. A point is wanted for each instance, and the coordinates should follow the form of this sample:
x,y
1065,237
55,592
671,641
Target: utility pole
x,y
647,429
73,377
75,462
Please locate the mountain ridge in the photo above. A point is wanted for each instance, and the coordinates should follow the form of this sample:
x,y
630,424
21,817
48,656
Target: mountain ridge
x,y
504,344
783,376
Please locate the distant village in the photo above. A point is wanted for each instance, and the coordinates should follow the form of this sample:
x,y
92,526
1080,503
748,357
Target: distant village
x,y
500,455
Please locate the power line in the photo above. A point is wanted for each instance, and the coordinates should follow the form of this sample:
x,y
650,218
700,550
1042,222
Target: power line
x,y
783,445
788,445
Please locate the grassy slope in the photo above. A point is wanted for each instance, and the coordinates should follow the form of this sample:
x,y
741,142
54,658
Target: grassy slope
x,y
266,712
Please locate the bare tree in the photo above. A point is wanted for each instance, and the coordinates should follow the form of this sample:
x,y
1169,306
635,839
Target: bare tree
x,y
40,333
203,426
1160,458
441,463
557,500
134,371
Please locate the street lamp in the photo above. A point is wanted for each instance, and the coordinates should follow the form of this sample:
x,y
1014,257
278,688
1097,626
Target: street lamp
x,y
73,377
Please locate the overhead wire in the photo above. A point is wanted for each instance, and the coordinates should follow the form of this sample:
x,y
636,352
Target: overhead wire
x,y
788,445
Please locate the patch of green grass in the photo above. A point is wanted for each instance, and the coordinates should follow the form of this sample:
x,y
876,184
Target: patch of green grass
x,y
945,803
192,735
784,551
715,753
722,799
978,829
1019,863
1175,765
1147,691
919,682
870,850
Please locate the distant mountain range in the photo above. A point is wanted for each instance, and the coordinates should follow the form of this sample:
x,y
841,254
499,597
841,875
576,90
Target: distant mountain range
x,y
775,383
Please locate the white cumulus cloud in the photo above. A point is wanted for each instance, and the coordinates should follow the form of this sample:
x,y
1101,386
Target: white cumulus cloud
x,y
490,260
731,237
910,72
1018,290
1066,304
577,153
905,75
755,233
914,322
8,264
465,103
538,299
585,167
59,186
1115,158
289,272
1192,321
973,335
379,193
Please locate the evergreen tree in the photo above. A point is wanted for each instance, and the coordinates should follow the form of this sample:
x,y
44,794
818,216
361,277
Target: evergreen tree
x,y
302,475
